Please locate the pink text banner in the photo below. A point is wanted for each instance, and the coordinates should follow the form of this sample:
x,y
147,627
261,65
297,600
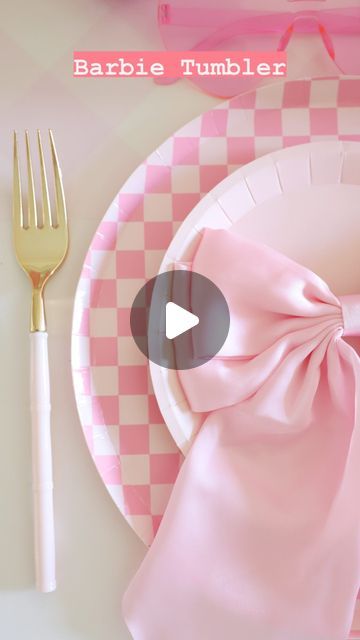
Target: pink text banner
x,y
178,64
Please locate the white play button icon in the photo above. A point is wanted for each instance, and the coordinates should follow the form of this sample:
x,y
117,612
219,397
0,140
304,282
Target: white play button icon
x,y
178,320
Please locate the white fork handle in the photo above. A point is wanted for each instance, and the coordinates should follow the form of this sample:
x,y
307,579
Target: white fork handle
x,y
44,536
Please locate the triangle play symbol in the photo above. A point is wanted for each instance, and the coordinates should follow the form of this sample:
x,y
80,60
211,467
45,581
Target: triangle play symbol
x,y
178,320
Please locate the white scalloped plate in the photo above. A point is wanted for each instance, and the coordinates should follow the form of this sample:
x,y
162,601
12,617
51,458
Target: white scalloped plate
x,y
305,202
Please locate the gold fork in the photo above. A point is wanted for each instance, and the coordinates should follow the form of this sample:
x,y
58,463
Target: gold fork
x,y
41,244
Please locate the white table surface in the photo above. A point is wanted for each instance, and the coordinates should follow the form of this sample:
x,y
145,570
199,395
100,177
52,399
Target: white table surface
x,y
104,128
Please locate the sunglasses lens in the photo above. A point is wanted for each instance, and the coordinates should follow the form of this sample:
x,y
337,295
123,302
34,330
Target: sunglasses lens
x,y
207,25
346,41
228,25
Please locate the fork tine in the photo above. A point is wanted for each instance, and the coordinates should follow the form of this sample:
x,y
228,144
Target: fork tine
x,y
32,213
44,186
59,190
18,218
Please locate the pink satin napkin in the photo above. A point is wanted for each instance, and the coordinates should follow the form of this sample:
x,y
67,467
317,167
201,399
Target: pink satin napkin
x,y
261,537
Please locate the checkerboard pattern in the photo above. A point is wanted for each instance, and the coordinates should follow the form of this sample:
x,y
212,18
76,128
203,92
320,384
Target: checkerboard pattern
x,y
132,449
127,438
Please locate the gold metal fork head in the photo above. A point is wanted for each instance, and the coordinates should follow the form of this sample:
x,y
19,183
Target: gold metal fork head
x,y
41,241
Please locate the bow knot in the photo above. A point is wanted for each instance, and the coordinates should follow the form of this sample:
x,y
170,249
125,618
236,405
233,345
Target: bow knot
x,y
351,314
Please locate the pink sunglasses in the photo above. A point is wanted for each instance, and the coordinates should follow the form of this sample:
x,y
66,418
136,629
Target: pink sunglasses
x,y
199,25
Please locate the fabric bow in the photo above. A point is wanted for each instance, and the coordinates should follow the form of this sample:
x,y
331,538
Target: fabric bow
x,y
261,536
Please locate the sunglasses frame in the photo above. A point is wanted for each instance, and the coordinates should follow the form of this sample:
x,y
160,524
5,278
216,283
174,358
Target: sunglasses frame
x,y
324,21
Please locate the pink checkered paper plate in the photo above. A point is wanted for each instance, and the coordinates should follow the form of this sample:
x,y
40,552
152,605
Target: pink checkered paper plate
x,y
133,451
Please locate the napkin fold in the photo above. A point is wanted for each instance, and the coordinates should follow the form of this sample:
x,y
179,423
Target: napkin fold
x,y
261,536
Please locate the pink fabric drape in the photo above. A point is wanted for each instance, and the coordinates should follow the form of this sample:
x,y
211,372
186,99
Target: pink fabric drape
x,y
260,540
